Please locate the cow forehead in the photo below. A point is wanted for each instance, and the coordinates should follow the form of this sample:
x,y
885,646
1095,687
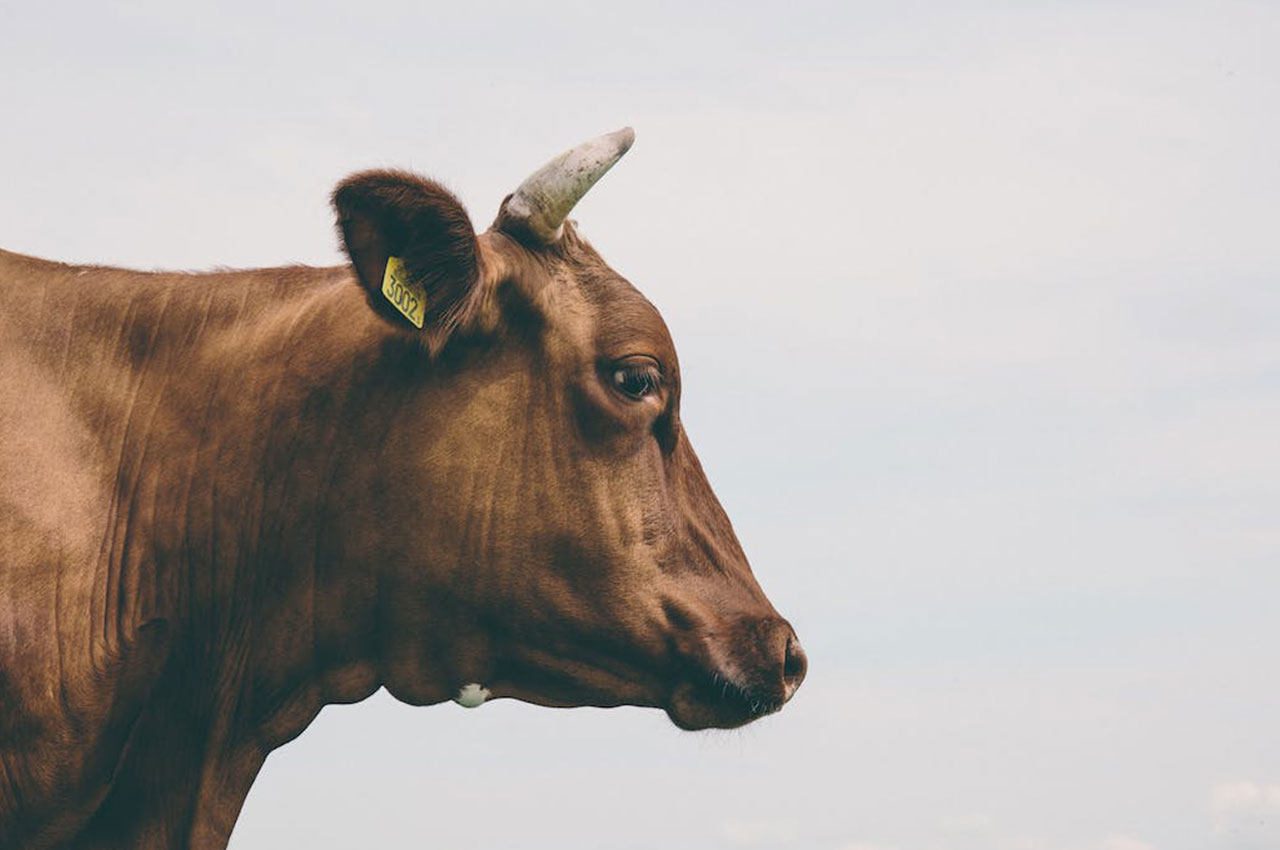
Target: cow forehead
x,y
578,292
623,320
626,323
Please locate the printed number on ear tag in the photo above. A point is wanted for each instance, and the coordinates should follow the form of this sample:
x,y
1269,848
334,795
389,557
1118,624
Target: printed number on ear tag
x,y
404,294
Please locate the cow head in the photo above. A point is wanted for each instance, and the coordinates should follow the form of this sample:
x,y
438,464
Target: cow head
x,y
538,522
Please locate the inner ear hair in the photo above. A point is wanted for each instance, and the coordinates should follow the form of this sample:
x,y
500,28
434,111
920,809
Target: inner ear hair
x,y
388,213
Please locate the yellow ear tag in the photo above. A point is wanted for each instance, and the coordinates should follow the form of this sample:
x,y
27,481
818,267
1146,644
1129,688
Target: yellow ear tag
x,y
404,294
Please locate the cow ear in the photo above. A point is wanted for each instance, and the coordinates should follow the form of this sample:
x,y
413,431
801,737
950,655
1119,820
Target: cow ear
x,y
414,250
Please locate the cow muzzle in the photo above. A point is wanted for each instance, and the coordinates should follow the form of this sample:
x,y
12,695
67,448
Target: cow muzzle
x,y
740,674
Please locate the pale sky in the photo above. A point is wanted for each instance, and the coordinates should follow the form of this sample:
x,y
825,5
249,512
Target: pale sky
x,y
978,306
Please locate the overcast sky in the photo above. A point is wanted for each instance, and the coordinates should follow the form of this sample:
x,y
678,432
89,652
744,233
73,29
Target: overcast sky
x,y
978,305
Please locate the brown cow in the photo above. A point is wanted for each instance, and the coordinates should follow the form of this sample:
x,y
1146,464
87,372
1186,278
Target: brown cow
x,y
454,468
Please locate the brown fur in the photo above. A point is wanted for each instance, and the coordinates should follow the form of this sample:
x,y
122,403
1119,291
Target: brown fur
x,y
229,499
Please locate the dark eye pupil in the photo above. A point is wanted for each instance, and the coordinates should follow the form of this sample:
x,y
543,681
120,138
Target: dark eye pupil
x,y
635,382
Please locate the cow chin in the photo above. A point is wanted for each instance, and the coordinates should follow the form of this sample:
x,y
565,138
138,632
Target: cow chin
x,y
717,703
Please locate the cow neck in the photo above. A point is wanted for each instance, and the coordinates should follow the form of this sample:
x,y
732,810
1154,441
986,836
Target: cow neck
x,y
249,427
287,599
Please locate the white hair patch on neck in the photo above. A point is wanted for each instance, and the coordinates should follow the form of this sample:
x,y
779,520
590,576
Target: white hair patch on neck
x,y
471,696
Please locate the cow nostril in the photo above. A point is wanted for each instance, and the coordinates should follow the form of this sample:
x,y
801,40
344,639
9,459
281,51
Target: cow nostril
x,y
794,666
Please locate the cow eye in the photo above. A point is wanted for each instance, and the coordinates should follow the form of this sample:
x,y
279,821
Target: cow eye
x,y
637,377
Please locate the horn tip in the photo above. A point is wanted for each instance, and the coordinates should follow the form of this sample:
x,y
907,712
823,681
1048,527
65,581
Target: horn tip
x,y
623,138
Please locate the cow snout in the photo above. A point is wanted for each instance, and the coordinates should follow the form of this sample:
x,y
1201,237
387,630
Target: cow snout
x,y
781,663
765,663
794,665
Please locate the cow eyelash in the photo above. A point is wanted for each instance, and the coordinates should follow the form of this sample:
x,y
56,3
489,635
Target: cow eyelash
x,y
636,378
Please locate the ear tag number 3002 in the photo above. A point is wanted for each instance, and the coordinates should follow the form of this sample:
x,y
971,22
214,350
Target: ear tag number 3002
x,y
405,295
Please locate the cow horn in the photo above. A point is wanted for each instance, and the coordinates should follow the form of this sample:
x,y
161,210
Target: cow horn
x,y
544,199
